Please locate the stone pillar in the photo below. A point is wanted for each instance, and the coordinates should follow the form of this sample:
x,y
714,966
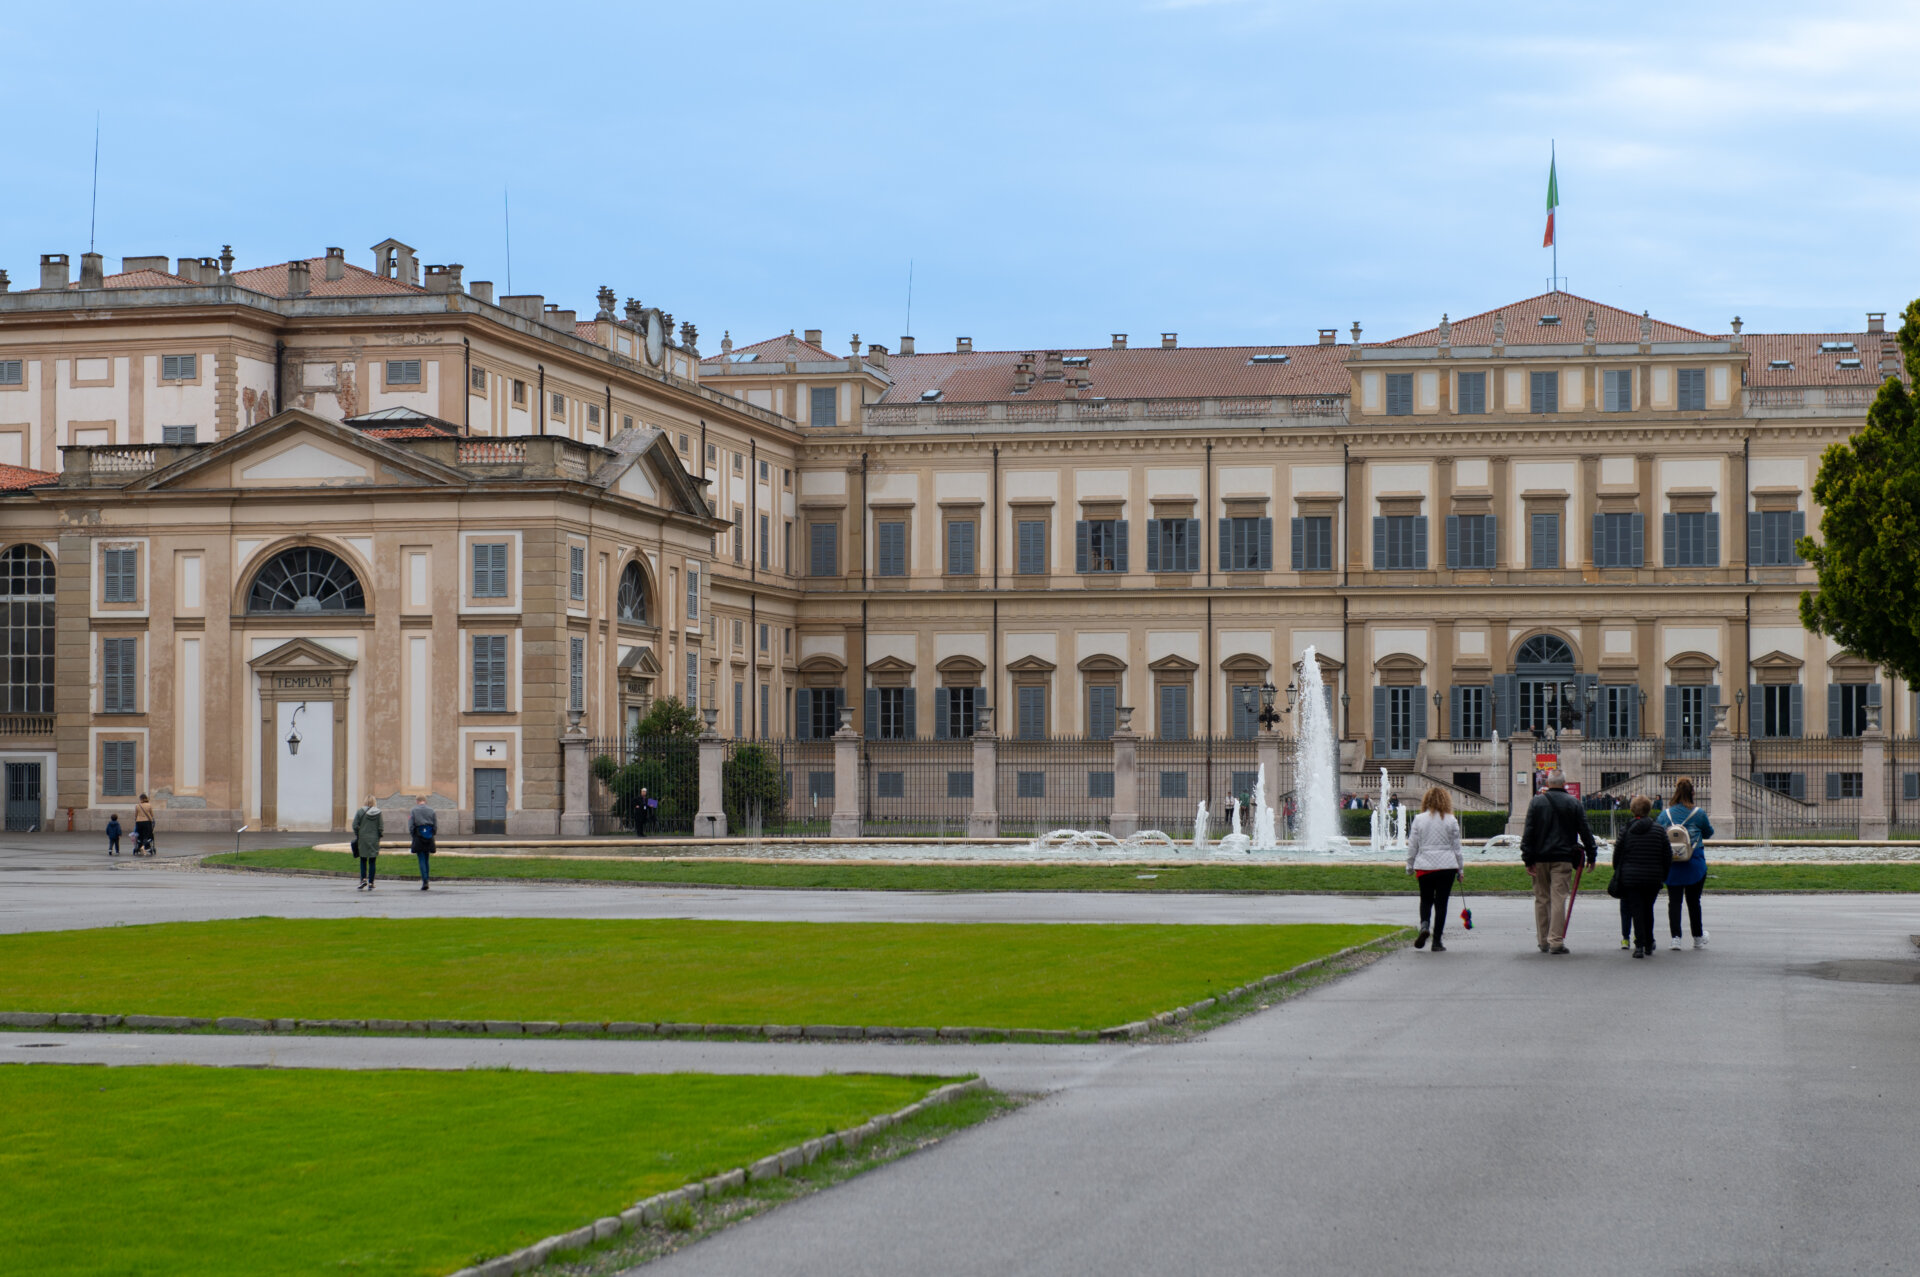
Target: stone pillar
x,y
1873,778
575,821
711,820
1125,821
846,778
1570,754
1268,755
1720,775
984,820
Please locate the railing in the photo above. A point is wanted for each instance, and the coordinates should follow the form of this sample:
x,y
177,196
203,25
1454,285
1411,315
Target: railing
x,y
916,788
493,452
667,768
1814,786
1176,775
121,458
1039,411
1903,786
26,725
1060,783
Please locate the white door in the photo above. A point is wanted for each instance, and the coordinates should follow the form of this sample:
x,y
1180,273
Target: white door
x,y
304,799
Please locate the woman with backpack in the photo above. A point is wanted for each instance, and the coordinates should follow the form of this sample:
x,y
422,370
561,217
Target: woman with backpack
x,y
421,827
1641,861
1434,856
1689,875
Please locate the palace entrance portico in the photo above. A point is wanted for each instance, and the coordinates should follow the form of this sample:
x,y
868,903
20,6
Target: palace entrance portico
x,y
303,736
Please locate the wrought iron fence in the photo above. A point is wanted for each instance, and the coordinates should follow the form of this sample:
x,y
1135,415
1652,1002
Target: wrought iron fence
x,y
1065,782
620,767
916,788
1903,786
1176,775
807,790
1803,787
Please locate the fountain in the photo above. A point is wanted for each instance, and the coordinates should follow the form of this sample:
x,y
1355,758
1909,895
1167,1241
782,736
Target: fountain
x,y
1315,770
1264,838
1200,828
1388,829
1099,841
1234,840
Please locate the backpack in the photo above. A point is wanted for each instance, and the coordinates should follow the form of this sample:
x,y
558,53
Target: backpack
x,y
1679,838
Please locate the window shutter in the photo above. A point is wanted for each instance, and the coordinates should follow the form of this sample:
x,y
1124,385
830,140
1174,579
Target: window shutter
x,y
1153,545
1799,701
1633,711
1379,544
1799,531
802,713
873,713
1756,543
1638,555
1797,786
479,673
1266,545
1712,699
1420,541
1419,714
1756,710
1713,540
1669,539
941,712
1833,786
1120,550
1453,540
1379,722
1910,787
1299,534
1080,552
1873,695
1601,557
109,676
911,719
1673,719
1833,710
499,578
1454,726
1505,688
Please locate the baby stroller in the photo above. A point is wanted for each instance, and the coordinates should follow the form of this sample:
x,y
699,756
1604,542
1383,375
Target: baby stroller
x,y
143,846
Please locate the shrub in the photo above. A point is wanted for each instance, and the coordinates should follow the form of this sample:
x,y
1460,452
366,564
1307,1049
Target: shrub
x,y
751,776
1482,824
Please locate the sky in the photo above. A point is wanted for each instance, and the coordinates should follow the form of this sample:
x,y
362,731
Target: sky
x,y
1236,171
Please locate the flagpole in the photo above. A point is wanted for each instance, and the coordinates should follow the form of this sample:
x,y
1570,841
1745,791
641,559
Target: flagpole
x,y
1553,162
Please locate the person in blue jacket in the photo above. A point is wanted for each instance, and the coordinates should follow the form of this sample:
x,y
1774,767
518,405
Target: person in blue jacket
x,y
1688,876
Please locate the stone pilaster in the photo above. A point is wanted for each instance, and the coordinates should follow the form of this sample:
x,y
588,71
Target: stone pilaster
x,y
984,820
1125,820
846,780
711,820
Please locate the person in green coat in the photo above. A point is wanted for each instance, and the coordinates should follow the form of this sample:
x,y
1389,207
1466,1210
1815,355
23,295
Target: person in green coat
x,y
367,827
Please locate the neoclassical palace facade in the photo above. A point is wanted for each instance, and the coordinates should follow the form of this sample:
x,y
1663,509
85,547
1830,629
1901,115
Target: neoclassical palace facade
x,y
280,537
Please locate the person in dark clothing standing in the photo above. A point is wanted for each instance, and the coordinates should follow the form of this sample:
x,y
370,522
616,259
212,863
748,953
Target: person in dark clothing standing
x,y
1641,859
1556,839
421,828
643,809
113,834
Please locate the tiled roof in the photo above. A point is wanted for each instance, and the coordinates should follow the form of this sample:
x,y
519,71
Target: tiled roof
x,y
1523,326
587,330
144,279
19,478
355,281
1808,365
1146,372
402,423
774,350
404,432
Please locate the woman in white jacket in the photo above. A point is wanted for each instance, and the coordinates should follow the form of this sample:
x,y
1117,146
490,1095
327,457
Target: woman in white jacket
x,y
1433,855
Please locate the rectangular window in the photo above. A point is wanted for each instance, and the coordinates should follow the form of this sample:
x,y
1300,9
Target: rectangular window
x,y
179,367
174,436
766,543
120,575
477,379
1543,552
1472,540
1543,390
693,685
1692,735
1789,784
890,785
739,535
1777,710
1773,535
1400,542
490,570
1313,543
822,718
1030,784
1618,540
12,372
1100,784
737,459
489,673
1616,390
1850,705
593,416
117,776
766,722
119,675
1691,393
763,637
403,372
1033,547
763,472
825,406
1692,539
1473,393
959,784
520,393
576,673
1173,545
739,709
1246,545
960,541
577,573
1100,706
1401,702
1470,713
1240,785
1173,711
1032,717
559,404
713,454
693,596
892,705
954,712
1243,702
1173,784
739,632
1101,545
824,557
819,786
1399,394
1846,785
1617,712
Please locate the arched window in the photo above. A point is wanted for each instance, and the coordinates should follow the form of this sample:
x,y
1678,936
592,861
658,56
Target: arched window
x,y
1544,649
306,579
632,603
26,637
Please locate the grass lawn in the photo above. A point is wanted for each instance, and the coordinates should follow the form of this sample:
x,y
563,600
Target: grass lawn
x,y
674,970
1041,877
178,1169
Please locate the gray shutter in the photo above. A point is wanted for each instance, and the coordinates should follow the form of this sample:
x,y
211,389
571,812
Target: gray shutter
x,y
1153,545
1799,531
1080,552
109,676
1712,699
802,713
1266,545
1379,543
1669,539
1673,719
1120,550
1419,714
1379,722
1833,786
1873,695
1833,710
1505,688
1797,785
1756,710
1299,544
1491,557
1713,540
873,714
1190,558
940,712
1453,540
1420,541
911,699
1454,726
1226,544
1600,542
1910,787
1756,541
1633,710
1637,554
1799,699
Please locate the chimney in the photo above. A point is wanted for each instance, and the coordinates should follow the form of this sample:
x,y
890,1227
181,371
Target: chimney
x,y
1328,336
1876,321
906,345
53,270
813,336
877,355
299,278
561,319
93,273
526,305
1119,341
207,270
5,283
336,263
143,263
482,289
1169,341
1023,375
963,345
444,279
1054,369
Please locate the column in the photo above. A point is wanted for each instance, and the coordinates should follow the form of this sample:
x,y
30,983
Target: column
x,y
1268,753
1720,774
1873,778
984,820
845,822
575,822
1125,821
711,820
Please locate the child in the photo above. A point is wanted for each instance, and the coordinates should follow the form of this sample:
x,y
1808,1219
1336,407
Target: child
x,y
113,835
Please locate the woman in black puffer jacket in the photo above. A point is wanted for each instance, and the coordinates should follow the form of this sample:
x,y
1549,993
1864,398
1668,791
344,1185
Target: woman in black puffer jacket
x,y
1641,858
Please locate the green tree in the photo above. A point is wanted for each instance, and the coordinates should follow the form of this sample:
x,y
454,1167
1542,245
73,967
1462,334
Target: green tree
x,y
752,776
1868,555
669,717
663,759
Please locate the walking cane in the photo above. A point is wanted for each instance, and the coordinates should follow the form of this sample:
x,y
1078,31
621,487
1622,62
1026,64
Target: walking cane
x,y
1578,869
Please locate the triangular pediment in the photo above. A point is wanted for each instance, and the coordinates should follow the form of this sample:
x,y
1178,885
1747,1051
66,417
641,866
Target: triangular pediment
x,y
1777,660
890,665
301,656
639,660
298,449
1030,665
1173,664
644,467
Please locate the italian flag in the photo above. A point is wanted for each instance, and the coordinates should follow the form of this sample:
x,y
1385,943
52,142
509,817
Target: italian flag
x,y
1553,200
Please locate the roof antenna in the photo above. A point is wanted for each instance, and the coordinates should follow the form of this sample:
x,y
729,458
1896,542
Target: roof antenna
x,y
909,328
506,213
93,212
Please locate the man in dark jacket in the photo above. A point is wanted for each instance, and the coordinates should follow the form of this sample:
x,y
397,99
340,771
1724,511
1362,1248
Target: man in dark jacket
x,y
1555,840
1641,858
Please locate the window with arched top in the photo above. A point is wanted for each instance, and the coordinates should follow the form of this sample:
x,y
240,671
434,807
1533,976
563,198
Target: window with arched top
x,y
306,579
26,636
632,602
1544,649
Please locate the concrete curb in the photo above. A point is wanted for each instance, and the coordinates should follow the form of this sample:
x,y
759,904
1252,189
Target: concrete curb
x,y
669,1029
652,1209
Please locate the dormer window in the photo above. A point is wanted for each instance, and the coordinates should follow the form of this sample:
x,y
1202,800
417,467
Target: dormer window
x,y
930,396
1780,365
1075,361
1830,346
1848,363
1549,321
1269,359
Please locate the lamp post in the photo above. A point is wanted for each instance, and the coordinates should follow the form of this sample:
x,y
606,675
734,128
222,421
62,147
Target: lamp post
x,y
1259,704
1739,705
1436,704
